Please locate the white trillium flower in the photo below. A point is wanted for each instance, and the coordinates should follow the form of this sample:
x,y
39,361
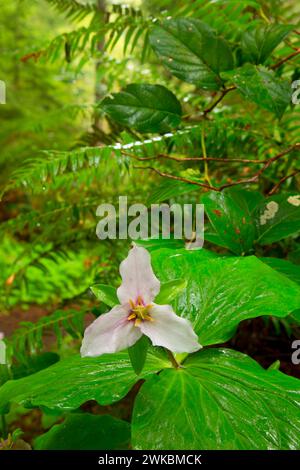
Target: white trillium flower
x,y
138,315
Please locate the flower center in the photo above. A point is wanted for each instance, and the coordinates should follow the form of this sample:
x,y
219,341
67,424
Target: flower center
x,y
139,311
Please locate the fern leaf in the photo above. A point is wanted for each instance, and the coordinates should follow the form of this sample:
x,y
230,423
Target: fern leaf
x,y
28,339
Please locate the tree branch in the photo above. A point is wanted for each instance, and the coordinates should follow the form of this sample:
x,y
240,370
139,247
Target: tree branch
x,y
277,186
218,100
253,179
285,59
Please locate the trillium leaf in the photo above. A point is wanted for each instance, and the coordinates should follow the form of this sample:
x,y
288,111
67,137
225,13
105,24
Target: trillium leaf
x,y
144,107
278,221
222,399
71,382
192,51
259,42
86,432
231,216
170,290
262,87
106,294
221,292
285,267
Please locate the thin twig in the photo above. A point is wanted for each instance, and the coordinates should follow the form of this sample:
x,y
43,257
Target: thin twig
x,y
195,159
285,59
174,177
218,100
277,186
253,179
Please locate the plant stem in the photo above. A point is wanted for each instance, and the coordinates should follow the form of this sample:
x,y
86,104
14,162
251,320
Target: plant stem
x,y
173,361
203,146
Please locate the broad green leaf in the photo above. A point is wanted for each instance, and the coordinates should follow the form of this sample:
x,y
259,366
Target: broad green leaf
x,y
263,87
259,42
144,107
192,51
138,354
220,399
71,382
107,294
170,290
86,432
221,292
285,267
277,218
230,215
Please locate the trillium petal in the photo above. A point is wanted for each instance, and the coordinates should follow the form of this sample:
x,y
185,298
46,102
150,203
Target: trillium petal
x,y
110,333
138,278
170,331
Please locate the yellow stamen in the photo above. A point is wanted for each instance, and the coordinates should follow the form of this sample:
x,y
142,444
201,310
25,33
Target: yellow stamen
x,y
132,316
139,311
147,317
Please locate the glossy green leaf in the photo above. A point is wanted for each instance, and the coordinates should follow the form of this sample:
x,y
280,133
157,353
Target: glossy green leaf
x,y
192,51
285,267
277,218
144,107
259,42
71,382
170,290
106,294
86,432
263,87
138,354
220,399
221,292
230,214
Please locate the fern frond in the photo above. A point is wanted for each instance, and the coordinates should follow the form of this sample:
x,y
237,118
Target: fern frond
x,y
28,339
38,174
73,9
122,22
229,17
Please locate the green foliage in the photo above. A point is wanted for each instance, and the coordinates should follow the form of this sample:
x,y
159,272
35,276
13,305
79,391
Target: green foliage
x,y
73,9
106,294
138,354
146,108
231,217
86,432
221,291
285,221
241,219
192,52
216,390
165,102
259,42
261,86
28,338
73,381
